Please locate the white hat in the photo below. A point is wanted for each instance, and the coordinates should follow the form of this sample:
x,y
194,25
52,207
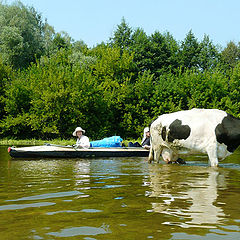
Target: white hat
x,y
77,130
146,129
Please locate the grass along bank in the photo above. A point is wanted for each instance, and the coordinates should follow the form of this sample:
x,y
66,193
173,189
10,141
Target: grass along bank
x,y
34,142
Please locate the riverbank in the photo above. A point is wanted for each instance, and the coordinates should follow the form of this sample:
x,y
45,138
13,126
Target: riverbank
x,y
35,142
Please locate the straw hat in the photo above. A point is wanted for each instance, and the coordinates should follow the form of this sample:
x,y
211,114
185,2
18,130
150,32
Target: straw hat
x,y
77,130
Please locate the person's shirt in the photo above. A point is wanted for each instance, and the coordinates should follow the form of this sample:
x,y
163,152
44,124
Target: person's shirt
x,y
83,142
146,142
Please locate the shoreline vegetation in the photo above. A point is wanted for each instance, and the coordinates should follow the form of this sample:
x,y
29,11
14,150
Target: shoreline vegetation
x,y
35,142
50,83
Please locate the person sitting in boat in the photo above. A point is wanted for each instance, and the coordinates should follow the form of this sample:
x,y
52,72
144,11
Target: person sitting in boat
x,y
82,140
146,138
145,141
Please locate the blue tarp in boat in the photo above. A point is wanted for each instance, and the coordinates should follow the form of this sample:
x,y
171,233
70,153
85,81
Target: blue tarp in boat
x,y
114,141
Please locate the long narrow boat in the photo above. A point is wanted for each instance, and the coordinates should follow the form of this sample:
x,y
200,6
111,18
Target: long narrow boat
x,y
55,151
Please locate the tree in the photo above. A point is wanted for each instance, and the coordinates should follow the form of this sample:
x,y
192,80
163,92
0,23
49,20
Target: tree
x,y
209,55
154,53
139,46
160,54
81,56
189,51
62,40
5,72
173,47
122,35
231,54
49,34
21,34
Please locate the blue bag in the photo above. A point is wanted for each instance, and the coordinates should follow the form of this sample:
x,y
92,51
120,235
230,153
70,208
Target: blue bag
x,y
114,141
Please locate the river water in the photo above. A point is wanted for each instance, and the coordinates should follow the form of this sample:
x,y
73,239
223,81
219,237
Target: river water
x,y
118,198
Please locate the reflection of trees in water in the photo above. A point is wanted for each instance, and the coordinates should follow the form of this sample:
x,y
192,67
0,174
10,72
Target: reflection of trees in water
x,y
49,167
190,194
51,174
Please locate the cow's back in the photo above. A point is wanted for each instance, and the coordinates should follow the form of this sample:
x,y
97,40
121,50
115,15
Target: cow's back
x,y
208,116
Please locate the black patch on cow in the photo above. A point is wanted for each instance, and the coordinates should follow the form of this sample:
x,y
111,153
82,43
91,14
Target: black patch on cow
x,y
178,131
228,132
164,133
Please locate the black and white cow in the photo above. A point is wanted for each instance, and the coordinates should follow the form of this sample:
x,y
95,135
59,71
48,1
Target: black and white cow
x,y
210,131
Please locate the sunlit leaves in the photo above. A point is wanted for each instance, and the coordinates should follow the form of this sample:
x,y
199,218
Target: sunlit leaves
x,y
21,34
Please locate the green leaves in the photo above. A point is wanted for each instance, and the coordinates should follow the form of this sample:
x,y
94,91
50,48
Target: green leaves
x,y
231,54
115,88
21,34
122,36
104,95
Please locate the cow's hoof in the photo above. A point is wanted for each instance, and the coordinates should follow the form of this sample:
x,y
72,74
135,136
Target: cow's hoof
x,y
180,161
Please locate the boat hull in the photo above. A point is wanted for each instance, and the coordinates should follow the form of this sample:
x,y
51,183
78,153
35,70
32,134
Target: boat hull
x,y
69,152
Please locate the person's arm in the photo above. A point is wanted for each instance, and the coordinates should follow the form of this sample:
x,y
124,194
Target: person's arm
x,y
147,147
146,143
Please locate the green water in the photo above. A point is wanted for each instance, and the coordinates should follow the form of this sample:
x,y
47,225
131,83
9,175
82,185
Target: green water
x,y
120,198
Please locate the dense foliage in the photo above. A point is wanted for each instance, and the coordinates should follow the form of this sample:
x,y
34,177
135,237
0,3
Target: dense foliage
x,y
49,83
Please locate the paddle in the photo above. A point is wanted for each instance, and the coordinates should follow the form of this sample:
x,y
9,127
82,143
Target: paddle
x,y
64,146
55,145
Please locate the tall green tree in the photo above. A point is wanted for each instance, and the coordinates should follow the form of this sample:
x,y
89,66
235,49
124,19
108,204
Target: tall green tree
x,y
160,53
189,51
139,46
231,54
5,75
174,48
157,53
122,35
21,34
209,55
232,100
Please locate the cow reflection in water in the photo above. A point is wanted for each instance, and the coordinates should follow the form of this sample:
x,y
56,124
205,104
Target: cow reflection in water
x,y
190,194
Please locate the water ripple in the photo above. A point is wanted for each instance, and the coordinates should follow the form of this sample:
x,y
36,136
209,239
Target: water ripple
x,y
47,195
65,211
76,231
22,206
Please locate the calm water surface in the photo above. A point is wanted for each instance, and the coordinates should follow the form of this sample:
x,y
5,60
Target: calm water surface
x,y
118,198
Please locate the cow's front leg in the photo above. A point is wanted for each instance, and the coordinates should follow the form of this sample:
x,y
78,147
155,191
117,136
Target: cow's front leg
x,y
212,155
150,156
154,154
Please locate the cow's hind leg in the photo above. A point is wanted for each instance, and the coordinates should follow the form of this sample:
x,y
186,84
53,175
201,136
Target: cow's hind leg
x,y
157,154
154,154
